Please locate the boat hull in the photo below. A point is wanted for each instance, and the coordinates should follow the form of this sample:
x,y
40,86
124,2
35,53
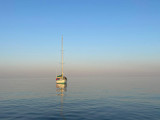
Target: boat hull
x,y
61,81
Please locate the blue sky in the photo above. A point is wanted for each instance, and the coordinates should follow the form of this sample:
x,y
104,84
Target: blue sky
x,y
99,36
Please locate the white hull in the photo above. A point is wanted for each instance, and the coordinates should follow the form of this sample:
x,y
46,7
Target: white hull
x,y
61,81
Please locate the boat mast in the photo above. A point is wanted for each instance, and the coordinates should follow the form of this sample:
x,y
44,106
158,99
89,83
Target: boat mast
x,y
62,56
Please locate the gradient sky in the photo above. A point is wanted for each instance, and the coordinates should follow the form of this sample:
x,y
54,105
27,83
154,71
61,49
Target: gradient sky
x,y
101,37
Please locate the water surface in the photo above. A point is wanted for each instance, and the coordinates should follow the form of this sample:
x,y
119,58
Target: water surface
x,y
87,98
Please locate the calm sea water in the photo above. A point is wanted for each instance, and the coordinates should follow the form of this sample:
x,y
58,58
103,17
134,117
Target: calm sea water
x,y
89,98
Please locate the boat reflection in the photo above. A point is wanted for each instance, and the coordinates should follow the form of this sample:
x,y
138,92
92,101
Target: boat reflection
x,y
61,88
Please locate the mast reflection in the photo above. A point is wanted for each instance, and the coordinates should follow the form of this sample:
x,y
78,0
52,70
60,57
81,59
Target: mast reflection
x,y
61,88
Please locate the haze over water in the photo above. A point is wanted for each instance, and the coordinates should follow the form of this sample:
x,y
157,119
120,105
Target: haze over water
x,y
111,59
110,98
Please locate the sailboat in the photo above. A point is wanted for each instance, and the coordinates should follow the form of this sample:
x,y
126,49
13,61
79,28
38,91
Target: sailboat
x,y
61,79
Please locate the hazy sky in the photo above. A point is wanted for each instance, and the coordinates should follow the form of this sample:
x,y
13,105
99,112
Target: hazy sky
x,y
101,37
